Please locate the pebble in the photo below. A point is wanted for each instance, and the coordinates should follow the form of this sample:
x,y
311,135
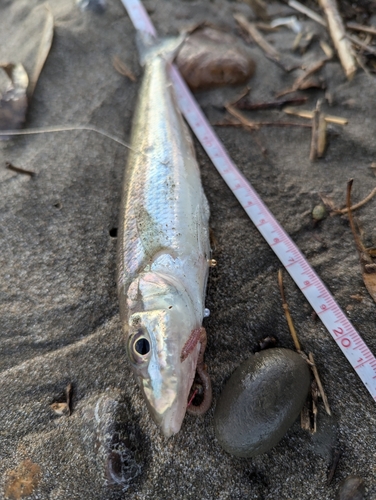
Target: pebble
x,y
352,488
211,58
319,212
261,400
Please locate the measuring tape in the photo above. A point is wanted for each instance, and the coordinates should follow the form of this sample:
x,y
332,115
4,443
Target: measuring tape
x,y
340,328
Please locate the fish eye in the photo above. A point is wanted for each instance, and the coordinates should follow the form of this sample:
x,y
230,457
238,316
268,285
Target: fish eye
x,y
142,346
138,347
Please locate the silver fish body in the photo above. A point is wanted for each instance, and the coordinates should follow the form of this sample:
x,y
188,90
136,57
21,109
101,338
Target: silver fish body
x,y
163,248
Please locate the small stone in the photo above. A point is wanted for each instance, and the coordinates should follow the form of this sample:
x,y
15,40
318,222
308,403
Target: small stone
x,y
352,488
261,400
211,58
319,212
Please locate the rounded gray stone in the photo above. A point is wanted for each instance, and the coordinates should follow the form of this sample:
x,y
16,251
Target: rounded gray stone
x,y
352,488
261,400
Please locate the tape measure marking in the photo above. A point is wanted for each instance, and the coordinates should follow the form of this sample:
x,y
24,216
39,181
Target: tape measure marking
x,y
335,321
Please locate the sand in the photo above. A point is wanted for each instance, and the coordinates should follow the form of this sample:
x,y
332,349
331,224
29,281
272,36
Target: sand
x,y
59,311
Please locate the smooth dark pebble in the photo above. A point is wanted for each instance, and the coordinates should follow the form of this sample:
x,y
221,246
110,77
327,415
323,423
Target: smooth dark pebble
x,y
261,400
352,488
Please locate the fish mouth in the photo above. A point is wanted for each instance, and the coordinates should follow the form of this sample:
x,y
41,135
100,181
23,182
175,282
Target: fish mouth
x,y
170,419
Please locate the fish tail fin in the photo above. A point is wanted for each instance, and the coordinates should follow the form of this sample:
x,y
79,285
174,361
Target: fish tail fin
x,y
150,46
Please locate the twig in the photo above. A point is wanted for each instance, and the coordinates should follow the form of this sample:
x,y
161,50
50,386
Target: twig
x,y
361,27
357,205
309,114
254,106
338,34
257,125
251,29
319,384
18,169
239,116
314,392
308,12
287,312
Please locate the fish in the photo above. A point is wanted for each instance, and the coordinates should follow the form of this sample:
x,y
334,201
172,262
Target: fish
x,y
163,247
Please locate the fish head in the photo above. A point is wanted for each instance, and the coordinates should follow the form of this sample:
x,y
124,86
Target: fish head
x,y
156,338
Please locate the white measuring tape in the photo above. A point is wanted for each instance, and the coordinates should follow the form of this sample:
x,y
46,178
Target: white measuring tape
x,y
340,328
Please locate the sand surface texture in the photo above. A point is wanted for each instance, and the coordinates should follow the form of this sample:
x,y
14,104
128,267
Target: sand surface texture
x,y
59,311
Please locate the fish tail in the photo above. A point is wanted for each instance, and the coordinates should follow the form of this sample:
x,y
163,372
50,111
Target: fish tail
x,y
150,46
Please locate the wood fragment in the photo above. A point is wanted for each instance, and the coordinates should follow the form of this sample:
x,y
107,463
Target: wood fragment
x,y
333,467
357,297
362,28
308,12
305,419
258,38
276,104
123,69
357,205
314,392
64,407
327,49
19,170
357,41
309,114
319,384
257,125
318,139
338,34
299,82
287,312
239,116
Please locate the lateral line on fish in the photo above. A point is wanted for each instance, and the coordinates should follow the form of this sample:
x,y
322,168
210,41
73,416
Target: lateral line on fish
x,y
71,128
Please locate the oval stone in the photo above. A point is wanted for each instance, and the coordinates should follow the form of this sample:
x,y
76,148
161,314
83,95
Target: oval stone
x,y
261,400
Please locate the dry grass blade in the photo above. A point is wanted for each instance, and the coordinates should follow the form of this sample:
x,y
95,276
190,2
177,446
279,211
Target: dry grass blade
x,y
44,48
123,69
338,34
